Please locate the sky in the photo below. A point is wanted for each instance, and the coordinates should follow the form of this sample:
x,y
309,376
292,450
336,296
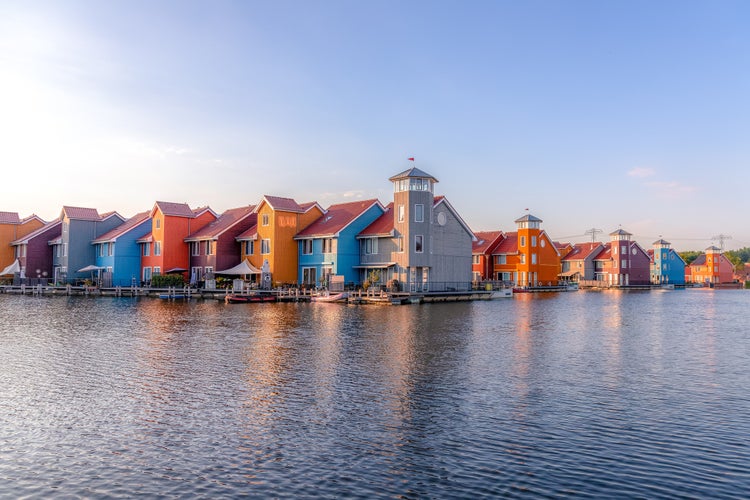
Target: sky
x,y
586,114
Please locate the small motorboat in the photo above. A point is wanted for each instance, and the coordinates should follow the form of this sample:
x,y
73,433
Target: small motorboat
x,y
330,297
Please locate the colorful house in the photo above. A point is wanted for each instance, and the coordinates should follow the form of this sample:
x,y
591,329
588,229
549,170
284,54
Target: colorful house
x,y
710,268
578,264
12,228
482,249
272,241
119,254
73,250
426,245
667,267
164,250
214,247
329,247
622,262
34,252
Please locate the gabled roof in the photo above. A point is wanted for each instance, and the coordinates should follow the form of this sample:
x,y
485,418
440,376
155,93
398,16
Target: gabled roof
x,y
32,217
582,251
173,209
509,244
224,223
9,218
699,261
123,228
605,253
443,200
485,240
278,203
250,234
146,238
412,172
336,218
80,213
382,226
528,218
25,240
197,212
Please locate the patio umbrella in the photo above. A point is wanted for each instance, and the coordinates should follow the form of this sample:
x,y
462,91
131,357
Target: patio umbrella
x,y
12,269
92,268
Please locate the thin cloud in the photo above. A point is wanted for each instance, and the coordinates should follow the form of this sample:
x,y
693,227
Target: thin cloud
x,y
672,188
641,172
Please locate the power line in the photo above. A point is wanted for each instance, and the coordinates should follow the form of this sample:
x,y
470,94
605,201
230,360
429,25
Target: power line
x,y
593,232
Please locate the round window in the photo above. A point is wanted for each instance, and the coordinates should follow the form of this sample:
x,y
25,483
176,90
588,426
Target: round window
x,y
441,218
634,251
542,243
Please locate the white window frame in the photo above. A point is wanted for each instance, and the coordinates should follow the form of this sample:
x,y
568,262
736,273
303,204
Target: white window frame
x,y
265,220
523,241
401,213
195,248
307,247
147,273
418,212
157,271
265,246
157,247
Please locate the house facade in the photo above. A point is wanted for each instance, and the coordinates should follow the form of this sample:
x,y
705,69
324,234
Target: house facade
x,y
426,247
482,250
164,250
527,257
710,268
578,264
667,267
118,252
12,228
34,252
329,247
623,262
272,241
73,249
215,247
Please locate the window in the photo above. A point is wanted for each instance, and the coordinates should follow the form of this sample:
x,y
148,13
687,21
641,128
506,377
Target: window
x,y
101,250
418,213
533,258
195,248
309,275
371,246
111,249
523,258
210,247
157,250
541,243
265,219
307,247
523,241
614,250
146,249
249,247
196,274
501,259
475,259
400,243
401,213
624,263
533,241
157,270
209,270
265,246
146,274
418,243
328,245
157,221
624,249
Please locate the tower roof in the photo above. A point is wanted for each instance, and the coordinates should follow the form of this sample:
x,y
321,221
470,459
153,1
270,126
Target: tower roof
x,y
413,172
661,242
528,218
620,232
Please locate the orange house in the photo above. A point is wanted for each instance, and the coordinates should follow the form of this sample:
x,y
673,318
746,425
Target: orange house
x,y
710,268
164,249
272,238
13,228
528,256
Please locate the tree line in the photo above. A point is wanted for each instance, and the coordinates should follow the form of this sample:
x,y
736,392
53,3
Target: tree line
x,y
738,258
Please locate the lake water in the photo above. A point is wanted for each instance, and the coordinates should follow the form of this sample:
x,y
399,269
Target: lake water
x,y
586,394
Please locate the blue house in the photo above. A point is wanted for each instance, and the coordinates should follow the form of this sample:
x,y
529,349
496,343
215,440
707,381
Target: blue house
x,y
118,253
329,247
667,267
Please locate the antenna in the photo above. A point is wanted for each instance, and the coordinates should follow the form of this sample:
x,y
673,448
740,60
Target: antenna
x,y
721,238
593,232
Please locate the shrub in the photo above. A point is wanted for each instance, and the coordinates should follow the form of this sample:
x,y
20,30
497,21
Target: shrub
x,y
167,280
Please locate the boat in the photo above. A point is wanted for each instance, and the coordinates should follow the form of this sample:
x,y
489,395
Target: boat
x,y
501,293
330,297
172,296
246,299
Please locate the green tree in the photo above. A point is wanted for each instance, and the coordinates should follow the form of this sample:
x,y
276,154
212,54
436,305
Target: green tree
x,y
689,256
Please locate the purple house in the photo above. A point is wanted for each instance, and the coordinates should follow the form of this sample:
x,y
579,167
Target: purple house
x,y
623,262
214,247
35,254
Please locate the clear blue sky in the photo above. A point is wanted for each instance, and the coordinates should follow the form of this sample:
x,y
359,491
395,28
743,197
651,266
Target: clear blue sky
x,y
588,113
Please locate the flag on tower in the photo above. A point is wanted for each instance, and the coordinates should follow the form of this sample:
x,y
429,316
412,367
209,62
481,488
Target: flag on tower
x,y
410,159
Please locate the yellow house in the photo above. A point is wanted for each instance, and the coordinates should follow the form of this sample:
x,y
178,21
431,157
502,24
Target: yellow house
x,y
272,239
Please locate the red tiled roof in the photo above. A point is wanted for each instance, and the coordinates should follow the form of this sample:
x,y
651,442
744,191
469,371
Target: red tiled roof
x,y
250,234
485,239
581,251
79,213
336,218
32,217
509,244
438,199
225,221
9,218
380,226
283,204
605,254
308,205
123,228
175,209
